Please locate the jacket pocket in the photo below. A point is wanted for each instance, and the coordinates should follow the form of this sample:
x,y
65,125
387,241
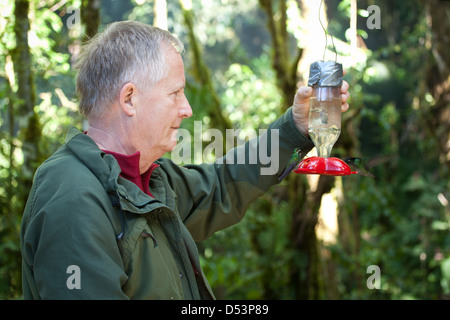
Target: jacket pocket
x,y
151,266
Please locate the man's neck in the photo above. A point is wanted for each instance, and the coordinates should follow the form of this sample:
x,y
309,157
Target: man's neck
x,y
116,141
106,140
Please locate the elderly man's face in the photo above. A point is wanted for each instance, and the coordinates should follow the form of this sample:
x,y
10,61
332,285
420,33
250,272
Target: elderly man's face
x,y
163,107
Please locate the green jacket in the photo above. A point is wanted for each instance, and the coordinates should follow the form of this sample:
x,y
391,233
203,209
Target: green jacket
x,y
88,233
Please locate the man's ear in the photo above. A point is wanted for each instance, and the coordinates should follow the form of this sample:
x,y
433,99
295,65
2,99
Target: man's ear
x,y
127,98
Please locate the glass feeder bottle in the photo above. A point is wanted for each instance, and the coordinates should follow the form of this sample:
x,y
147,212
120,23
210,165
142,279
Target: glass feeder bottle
x,y
324,125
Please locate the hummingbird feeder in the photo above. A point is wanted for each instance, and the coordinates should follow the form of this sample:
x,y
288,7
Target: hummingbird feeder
x,y
324,125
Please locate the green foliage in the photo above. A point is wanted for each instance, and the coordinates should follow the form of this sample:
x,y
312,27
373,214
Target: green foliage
x,y
251,100
247,261
396,221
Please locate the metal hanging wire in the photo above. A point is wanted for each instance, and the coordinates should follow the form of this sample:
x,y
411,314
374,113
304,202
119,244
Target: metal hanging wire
x,y
326,37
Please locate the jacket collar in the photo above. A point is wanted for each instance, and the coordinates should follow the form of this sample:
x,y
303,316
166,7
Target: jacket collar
x,y
130,170
107,170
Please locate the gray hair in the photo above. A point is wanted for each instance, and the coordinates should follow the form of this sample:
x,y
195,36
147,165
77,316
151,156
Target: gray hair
x,y
127,51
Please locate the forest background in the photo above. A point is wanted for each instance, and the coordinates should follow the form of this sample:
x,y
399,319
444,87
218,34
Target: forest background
x,y
310,237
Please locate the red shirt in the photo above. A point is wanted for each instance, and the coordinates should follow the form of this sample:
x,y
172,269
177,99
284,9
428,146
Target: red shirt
x,y
129,164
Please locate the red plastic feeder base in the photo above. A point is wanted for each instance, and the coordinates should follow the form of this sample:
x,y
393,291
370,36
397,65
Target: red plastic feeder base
x,y
324,166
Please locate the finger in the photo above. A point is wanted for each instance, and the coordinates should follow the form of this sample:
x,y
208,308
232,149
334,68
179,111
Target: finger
x,y
303,94
344,87
345,96
344,107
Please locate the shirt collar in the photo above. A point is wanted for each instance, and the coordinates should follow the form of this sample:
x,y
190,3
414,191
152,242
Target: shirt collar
x,y
129,165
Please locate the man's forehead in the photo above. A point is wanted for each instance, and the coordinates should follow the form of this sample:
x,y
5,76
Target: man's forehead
x,y
174,81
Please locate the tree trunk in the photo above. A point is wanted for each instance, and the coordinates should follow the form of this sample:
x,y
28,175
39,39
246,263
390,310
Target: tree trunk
x,y
284,65
24,126
160,12
305,276
30,130
90,17
438,80
202,75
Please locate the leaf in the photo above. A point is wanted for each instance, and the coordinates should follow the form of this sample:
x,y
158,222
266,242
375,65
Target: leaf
x,y
415,183
440,225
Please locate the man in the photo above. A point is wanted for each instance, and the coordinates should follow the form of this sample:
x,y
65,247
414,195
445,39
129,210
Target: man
x,y
107,216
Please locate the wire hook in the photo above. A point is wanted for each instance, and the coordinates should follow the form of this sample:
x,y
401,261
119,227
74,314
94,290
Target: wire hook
x,y
326,37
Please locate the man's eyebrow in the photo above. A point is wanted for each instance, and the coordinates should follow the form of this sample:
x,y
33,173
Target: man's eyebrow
x,y
180,86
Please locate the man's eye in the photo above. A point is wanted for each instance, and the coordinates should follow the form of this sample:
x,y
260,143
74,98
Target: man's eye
x,y
178,93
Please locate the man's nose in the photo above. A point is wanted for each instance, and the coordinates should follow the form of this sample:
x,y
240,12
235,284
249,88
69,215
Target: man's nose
x,y
185,110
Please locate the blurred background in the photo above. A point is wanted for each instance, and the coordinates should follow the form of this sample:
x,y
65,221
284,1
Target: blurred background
x,y
310,237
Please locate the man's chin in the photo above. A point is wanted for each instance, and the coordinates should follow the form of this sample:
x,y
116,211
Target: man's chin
x,y
171,145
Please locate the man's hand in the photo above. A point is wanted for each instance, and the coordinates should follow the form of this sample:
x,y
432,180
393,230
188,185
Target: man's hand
x,y
300,109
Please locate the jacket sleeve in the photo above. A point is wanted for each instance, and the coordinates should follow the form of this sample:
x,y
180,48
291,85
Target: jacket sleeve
x,y
68,245
214,196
